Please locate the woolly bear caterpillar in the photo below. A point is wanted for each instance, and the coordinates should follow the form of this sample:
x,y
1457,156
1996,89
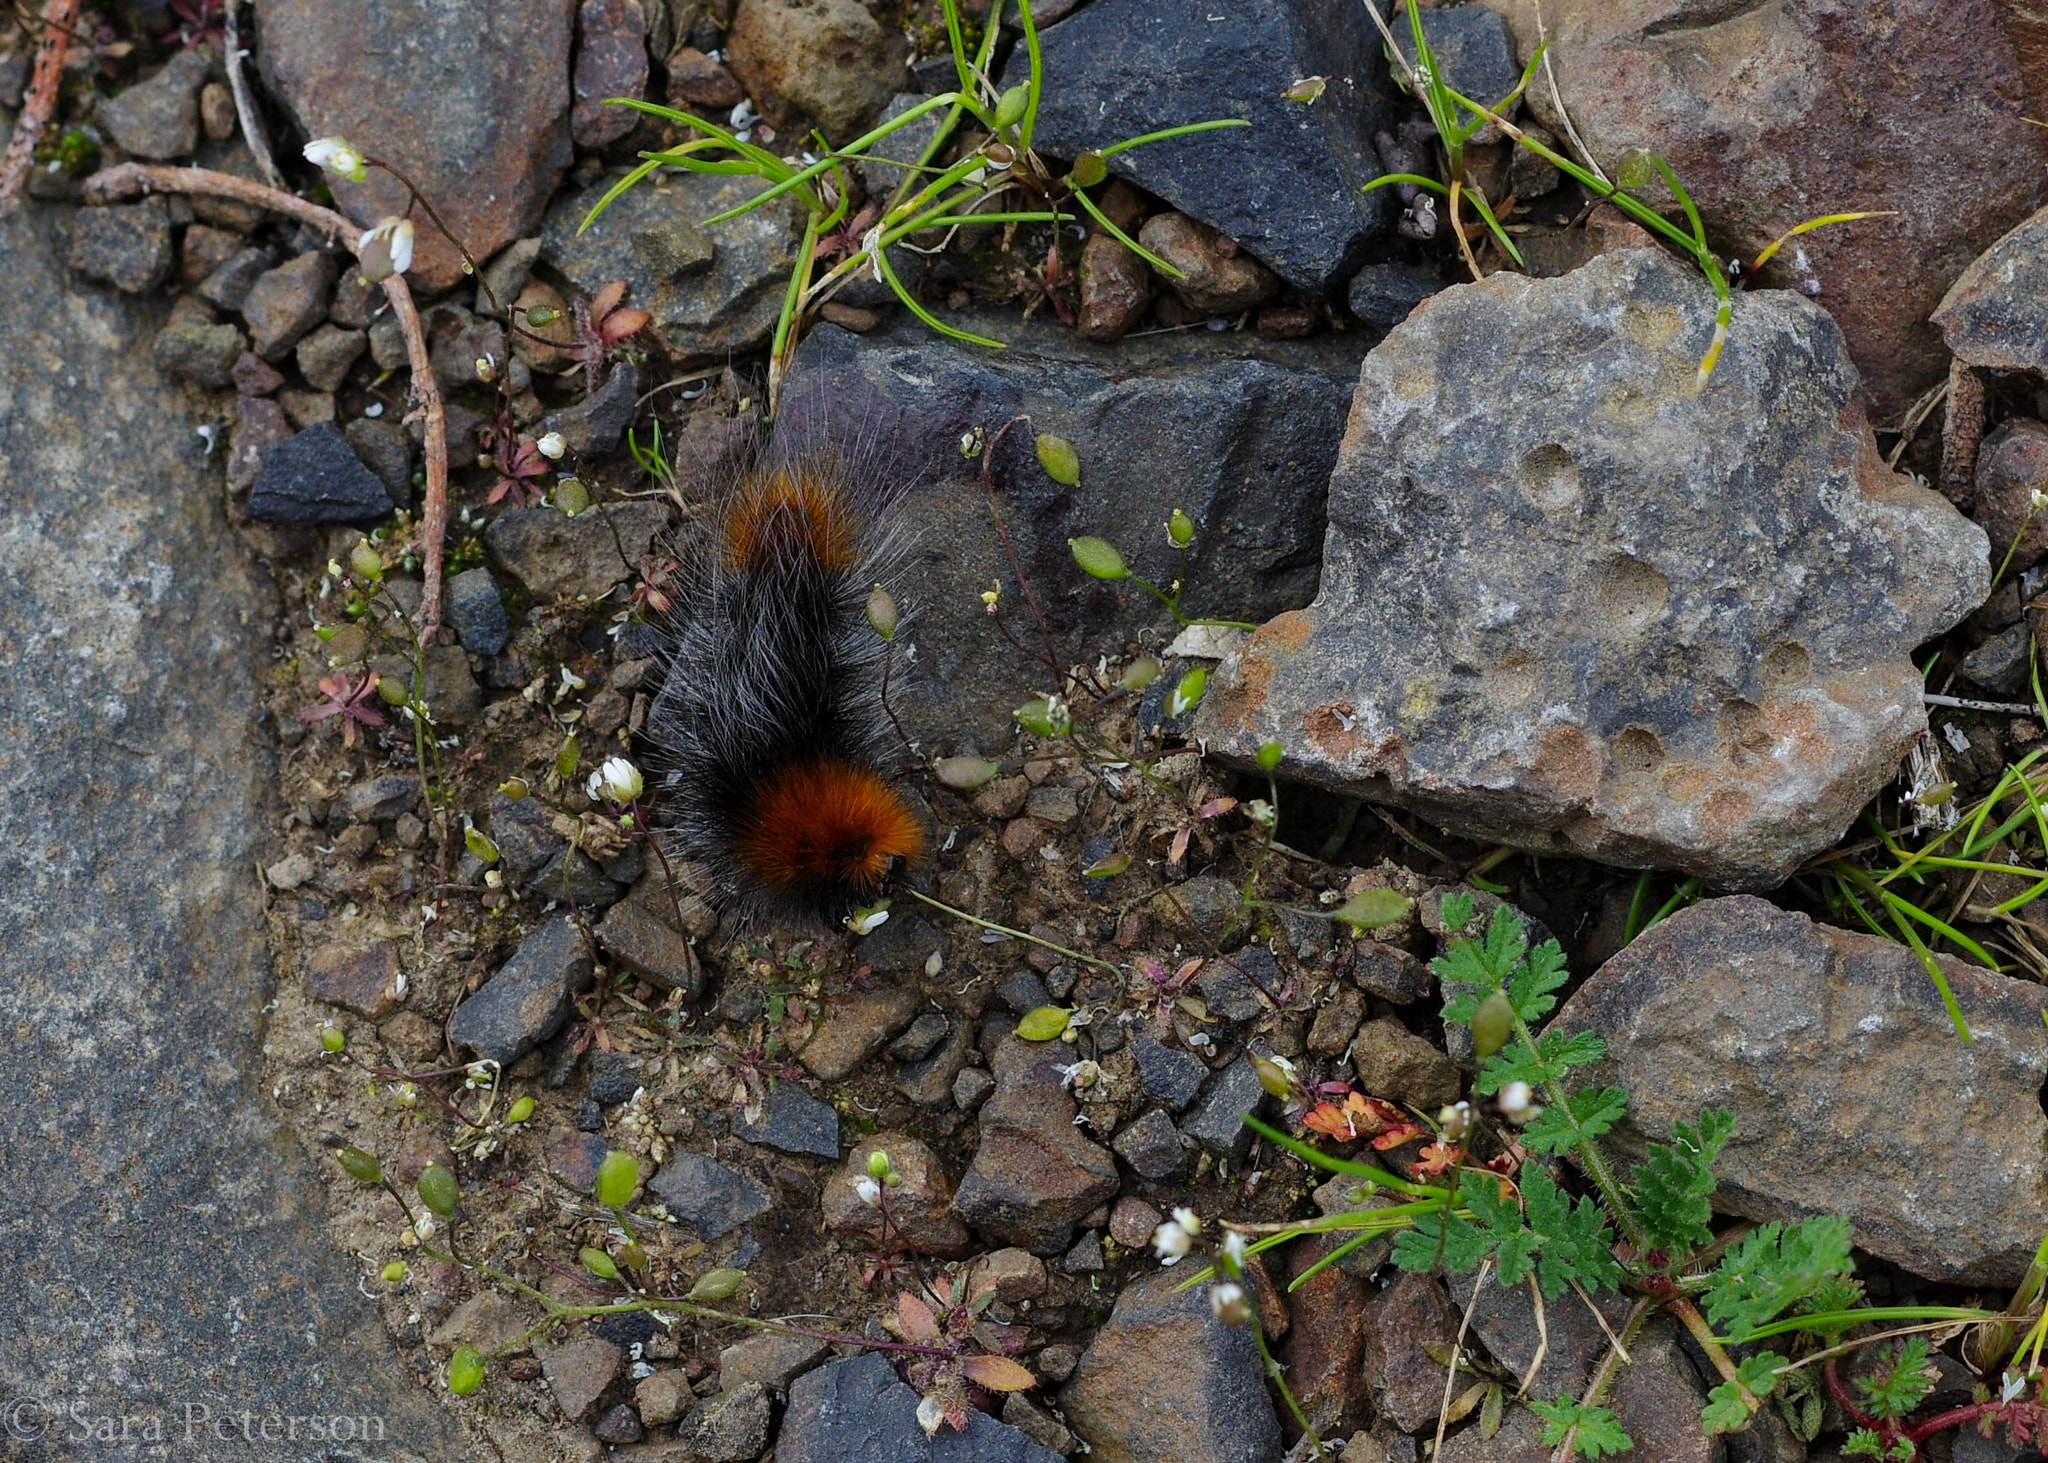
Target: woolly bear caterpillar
x,y
770,733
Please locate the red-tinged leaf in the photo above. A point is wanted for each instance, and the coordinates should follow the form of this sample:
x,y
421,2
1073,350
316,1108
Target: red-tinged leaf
x,y
998,1374
916,1320
1438,1158
320,712
1395,1137
623,323
1151,969
1215,807
607,299
942,1287
1179,848
1187,970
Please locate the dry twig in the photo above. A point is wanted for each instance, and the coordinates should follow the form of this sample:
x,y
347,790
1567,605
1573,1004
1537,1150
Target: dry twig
x,y
39,102
130,180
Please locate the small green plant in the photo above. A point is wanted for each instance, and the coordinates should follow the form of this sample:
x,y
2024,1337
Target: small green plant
x,y
932,194
1648,1235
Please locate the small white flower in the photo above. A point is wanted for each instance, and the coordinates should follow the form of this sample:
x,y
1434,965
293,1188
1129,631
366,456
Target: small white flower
x,y
386,249
2012,1386
1188,1220
423,1227
1231,1253
338,156
551,445
1514,1099
486,368
571,681
1171,1242
2037,500
742,117
870,1193
867,921
1228,1302
621,780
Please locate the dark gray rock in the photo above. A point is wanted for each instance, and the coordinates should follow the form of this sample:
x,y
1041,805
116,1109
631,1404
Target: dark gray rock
x,y
1474,50
1286,187
795,1122
552,553
387,452
614,1077
1171,1076
611,61
506,276
594,425
925,1033
1164,1381
1035,1172
1240,433
1152,1146
158,119
527,1001
1023,992
316,477
933,1080
128,247
1851,1092
1386,294
574,878
284,303
858,1411
1228,991
620,1425
1216,1121
1718,627
228,286
903,944
382,798
712,291
325,356
477,611
709,1195
971,1088
2001,663
474,108
1085,1258
149,1064
202,354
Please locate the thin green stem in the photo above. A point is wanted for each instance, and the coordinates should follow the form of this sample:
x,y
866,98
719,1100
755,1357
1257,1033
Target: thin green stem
x,y
1005,929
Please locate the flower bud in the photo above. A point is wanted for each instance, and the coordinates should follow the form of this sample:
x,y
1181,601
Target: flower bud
x,y
617,1177
1089,169
1275,1075
338,156
1227,1300
551,446
486,369
879,1166
332,1037
1268,756
869,1193
366,562
1180,529
394,1272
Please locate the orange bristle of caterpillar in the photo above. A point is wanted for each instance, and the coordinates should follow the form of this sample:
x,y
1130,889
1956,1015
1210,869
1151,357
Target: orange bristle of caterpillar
x,y
790,516
825,825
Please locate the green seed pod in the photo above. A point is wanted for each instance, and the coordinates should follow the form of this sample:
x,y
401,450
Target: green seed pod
x,y
465,1371
598,1263
365,562
1273,1077
393,691
1492,1024
360,1165
1180,529
333,1039
617,1177
1107,867
1188,692
520,1111
1140,673
1369,909
879,1166
1042,716
439,1191
964,774
515,788
717,1285
1268,756
347,645
1089,169
882,615
571,496
394,1272
1047,1023
1098,557
1010,110
1059,459
479,843
568,757
541,315
1634,169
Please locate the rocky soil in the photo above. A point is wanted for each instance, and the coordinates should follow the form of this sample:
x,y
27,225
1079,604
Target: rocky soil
x,y
1681,671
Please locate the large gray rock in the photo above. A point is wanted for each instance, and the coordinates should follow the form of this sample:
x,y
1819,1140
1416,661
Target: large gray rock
x,y
527,1001
1288,186
712,291
857,1411
1574,601
1851,1091
1240,433
1772,114
164,1244
473,105
1996,312
1035,1173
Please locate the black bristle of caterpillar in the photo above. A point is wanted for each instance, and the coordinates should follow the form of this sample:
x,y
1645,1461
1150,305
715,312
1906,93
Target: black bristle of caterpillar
x,y
771,746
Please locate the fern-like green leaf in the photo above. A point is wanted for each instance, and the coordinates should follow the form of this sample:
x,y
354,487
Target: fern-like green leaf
x,y
1529,988
1728,1409
1441,1239
1598,1432
1575,1241
1586,1114
1557,1052
1774,1268
1903,1384
1675,1185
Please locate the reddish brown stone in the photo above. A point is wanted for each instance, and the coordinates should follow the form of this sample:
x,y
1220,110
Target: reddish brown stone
x,y
695,80
828,61
366,981
1035,1172
918,1217
1325,1355
1400,1323
611,61
203,250
1116,288
472,106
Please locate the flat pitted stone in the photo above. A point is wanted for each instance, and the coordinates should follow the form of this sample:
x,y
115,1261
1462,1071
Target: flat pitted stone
x,y
1709,89
712,291
133,972
477,611
1035,1173
473,106
1166,1382
1993,315
316,477
1216,1121
527,1001
858,1411
1575,601
1286,187
158,119
708,1194
1245,430
1174,1077
128,247
552,553
1851,1092
795,1122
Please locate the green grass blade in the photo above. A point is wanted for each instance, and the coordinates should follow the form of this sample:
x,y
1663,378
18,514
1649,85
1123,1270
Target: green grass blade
x,y
612,193
889,278
1416,178
1125,239
1193,127
1500,234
